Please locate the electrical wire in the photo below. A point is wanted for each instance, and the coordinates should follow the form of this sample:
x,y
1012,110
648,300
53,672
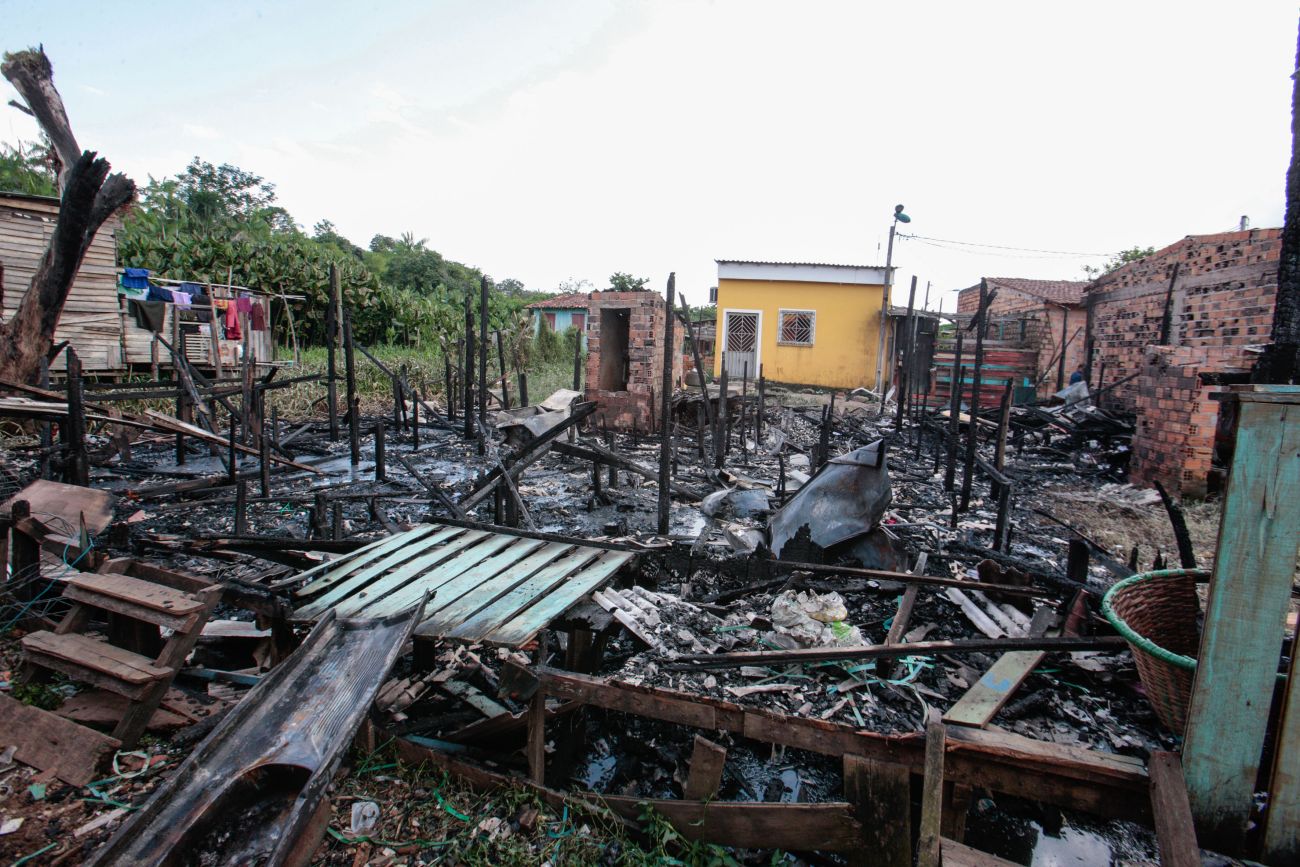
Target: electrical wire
x,y
935,242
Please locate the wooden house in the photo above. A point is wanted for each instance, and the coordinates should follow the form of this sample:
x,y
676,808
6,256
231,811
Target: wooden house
x,y
97,320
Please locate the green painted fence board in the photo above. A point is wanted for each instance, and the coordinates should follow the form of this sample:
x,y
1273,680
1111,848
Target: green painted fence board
x,y
1249,593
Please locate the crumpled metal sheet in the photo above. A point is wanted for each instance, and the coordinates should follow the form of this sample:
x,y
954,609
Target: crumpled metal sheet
x,y
846,499
253,791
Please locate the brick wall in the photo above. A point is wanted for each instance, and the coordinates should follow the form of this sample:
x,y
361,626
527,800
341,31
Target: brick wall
x,y
1223,297
1222,301
1041,330
1176,422
625,409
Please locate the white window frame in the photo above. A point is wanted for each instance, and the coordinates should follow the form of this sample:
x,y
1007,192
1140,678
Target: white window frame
x,y
780,327
758,332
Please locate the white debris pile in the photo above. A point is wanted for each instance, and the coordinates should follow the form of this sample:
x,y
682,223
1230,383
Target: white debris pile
x,y
814,619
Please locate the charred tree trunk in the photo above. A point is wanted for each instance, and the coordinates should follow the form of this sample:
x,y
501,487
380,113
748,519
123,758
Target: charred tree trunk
x,y
90,195
1281,361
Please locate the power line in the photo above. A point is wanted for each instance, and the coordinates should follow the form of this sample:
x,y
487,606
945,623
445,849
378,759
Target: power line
x,y
939,241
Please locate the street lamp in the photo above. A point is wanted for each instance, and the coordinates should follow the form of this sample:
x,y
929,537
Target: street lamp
x,y
899,217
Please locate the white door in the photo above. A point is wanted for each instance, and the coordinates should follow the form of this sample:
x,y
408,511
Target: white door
x,y
740,343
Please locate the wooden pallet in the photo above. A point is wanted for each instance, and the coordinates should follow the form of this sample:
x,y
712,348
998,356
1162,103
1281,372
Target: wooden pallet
x,y
142,681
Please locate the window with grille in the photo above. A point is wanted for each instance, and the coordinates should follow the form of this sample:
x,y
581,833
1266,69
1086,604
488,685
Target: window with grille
x,y
797,327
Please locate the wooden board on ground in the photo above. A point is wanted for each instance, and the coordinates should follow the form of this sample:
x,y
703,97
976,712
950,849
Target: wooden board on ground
x,y
50,743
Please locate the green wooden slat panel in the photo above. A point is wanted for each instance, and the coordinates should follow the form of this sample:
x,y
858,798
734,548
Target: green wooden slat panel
x,y
523,626
522,596
346,566
467,582
408,595
396,581
456,611
1282,831
1242,640
352,584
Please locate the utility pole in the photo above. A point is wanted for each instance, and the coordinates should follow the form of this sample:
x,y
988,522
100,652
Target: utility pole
x,y
899,216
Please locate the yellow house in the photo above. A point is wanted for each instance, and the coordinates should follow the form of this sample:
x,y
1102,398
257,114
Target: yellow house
x,y
801,323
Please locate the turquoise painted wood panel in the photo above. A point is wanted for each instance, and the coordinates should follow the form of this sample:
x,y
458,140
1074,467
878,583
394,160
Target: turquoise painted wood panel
x,y
513,602
1282,822
523,626
457,611
366,555
408,595
1249,592
467,582
351,584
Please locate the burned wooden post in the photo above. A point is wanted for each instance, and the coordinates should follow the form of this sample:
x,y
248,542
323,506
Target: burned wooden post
x,y
354,402
828,425
380,468
665,414
523,384
972,438
744,411
415,423
954,413
699,367
468,360
505,378
331,341
1004,425
264,458
241,508
320,508
905,381
484,286
720,426
232,458
449,389
1076,561
77,471
336,521
929,839
758,415
397,404
1065,337
577,365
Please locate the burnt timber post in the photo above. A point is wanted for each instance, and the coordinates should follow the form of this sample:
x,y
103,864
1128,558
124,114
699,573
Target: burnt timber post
x,y
905,380
484,286
331,340
78,467
505,374
469,365
665,414
354,403
1237,664
954,410
972,434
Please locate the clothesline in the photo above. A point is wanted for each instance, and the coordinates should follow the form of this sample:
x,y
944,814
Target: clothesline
x,y
233,286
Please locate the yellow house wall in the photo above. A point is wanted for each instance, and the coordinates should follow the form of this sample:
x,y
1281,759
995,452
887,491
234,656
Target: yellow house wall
x,y
843,354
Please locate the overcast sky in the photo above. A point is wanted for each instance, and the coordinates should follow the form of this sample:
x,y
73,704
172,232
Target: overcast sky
x,y
555,140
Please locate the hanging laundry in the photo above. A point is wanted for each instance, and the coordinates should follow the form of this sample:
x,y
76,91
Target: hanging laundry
x,y
257,317
157,293
202,304
134,278
180,299
193,289
245,305
232,322
148,314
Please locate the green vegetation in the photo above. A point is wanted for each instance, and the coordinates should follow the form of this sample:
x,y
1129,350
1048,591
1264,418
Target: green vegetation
x,y
26,168
1119,260
429,812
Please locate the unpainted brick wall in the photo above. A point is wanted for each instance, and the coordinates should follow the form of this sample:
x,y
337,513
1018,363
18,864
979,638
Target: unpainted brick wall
x,y
1222,302
623,410
1042,330
1223,297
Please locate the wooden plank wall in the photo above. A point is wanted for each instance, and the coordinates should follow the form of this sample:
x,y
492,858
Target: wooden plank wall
x,y
92,319
1002,364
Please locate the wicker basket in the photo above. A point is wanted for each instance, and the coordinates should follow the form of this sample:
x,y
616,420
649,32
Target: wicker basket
x,y
1156,613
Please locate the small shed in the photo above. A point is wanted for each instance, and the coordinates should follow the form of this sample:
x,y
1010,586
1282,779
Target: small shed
x,y
562,312
93,319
